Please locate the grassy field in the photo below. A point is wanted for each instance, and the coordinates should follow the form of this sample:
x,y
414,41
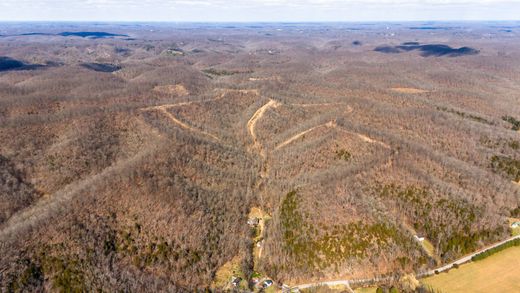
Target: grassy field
x,y
226,272
497,273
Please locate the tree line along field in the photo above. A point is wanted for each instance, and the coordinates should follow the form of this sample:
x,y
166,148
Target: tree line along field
x,y
131,156
496,273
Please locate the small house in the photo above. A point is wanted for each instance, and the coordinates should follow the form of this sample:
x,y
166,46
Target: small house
x,y
267,283
418,238
235,281
253,222
515,225
175,52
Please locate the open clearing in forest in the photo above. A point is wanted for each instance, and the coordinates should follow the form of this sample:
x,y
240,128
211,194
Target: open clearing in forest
x,y
497,273
226,272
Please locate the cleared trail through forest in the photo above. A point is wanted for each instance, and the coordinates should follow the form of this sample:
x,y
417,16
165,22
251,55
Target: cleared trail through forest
x,y
349,108
45,208
330,124
366,138
251,124
164,109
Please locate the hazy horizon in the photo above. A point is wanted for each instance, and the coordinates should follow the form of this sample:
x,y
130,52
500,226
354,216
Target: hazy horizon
x,y
244,11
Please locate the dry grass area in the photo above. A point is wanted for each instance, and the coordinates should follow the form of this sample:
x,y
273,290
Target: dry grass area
x,y
226,272
428,247
259,234
256,212
497,273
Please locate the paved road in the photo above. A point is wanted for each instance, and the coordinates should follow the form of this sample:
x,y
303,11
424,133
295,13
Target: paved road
x,y
347,283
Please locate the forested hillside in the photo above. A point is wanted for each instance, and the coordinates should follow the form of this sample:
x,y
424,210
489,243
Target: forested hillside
x,y
131,160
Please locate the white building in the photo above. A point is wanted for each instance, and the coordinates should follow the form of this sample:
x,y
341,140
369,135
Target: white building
x,y
420,239
253,222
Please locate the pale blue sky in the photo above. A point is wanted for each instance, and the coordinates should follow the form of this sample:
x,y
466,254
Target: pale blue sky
x,y
258,10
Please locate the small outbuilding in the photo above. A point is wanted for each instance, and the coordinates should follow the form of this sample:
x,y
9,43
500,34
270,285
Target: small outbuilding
x,y
267,283
515,225
235,281
418,238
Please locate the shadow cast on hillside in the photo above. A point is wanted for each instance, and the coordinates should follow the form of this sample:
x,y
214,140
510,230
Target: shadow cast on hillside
x,y
435,50
9,64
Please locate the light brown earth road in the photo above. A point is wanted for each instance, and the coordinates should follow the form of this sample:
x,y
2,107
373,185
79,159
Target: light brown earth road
x,y
366,138
164,109
254,119
460,261
349,108
330,124
222,95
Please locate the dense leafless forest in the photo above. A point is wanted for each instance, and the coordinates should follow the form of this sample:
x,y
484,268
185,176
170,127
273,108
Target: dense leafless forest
x,y
131,155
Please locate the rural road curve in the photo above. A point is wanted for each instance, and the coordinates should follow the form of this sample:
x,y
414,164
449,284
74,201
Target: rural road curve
x,y
448,266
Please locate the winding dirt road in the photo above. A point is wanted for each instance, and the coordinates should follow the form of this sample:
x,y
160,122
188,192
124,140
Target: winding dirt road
x,y
164,109
254,119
